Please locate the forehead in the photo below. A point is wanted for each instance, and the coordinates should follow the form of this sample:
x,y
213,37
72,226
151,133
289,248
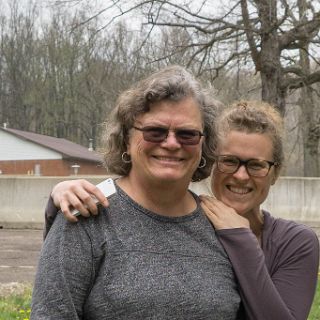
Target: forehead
x,y
185,112
246,145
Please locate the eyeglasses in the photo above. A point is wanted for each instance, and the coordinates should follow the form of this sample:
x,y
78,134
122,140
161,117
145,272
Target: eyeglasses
x,y
255,167
158,134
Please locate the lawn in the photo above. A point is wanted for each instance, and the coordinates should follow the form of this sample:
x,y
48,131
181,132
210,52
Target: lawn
x,y
15,302
315,311
16,305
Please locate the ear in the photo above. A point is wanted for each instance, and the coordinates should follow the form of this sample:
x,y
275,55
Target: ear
x,y
275,176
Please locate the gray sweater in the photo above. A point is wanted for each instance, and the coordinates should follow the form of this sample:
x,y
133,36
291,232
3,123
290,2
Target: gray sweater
x,y
130,263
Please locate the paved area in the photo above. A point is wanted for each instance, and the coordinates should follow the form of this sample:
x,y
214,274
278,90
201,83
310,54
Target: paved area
x,y
19,252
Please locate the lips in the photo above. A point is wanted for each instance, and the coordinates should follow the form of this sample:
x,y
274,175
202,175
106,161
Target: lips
x,y
168,159
239,190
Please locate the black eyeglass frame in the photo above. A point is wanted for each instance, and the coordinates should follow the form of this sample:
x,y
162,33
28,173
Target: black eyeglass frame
x,y
245,164
196,134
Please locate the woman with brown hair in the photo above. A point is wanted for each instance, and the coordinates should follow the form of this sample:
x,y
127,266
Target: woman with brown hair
x,y
151,254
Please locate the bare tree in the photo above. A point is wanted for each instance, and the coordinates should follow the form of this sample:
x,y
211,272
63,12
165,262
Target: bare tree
x,y
17,55
279,39
63,81
310,111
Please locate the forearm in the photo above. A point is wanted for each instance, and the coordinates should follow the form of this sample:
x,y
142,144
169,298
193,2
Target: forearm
x,y
50,214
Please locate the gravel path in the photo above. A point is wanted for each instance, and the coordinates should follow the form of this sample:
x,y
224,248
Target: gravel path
x,y
19,252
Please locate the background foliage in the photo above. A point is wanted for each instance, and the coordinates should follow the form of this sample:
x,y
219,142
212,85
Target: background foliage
x,y
63,64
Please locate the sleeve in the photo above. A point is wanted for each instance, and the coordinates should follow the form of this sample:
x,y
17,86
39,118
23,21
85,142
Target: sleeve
x,y
288,292
65,273
50,214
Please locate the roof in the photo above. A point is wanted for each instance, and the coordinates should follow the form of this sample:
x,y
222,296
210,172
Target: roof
x,y
68,149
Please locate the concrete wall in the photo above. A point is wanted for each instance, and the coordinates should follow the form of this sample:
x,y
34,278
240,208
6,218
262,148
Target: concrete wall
x,y
23,199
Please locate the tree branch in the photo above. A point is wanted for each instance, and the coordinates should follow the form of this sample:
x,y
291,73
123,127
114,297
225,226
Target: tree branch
x,y
302,32
248,30
296,83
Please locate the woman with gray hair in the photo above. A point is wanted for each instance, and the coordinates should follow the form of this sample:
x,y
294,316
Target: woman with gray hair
x,y
151,254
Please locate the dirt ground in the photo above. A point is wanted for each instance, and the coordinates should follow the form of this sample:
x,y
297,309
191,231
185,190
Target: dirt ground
x,y
19,252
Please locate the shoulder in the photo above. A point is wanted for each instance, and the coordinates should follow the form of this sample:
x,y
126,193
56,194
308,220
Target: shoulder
x,y
67,231
287,228
290,234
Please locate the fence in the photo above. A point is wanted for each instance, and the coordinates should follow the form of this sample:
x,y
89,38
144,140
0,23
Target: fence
x,y
23,199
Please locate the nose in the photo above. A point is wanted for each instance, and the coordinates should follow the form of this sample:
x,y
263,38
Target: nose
x,y
171,141
242,173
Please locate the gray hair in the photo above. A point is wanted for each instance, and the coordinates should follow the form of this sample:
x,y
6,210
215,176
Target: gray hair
x,y
172,83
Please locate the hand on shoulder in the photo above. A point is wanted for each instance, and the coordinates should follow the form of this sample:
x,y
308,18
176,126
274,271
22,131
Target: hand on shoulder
x,y
222,216
77,194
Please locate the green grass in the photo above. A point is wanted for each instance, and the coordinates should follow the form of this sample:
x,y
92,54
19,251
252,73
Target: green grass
x,y
315,310
17,306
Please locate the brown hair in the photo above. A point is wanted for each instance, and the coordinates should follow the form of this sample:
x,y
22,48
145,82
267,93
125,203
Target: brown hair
x,y
172,83
254,117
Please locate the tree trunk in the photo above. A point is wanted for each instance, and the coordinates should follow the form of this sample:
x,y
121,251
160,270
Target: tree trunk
x,y
270,65
310,120
311,133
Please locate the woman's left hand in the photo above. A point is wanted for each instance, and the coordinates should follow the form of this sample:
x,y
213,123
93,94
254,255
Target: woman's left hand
x,y
222,216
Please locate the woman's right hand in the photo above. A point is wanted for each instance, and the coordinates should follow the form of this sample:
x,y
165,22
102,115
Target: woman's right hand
x,y
79,195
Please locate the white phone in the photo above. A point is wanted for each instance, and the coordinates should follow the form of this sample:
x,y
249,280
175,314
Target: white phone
x,y
107,187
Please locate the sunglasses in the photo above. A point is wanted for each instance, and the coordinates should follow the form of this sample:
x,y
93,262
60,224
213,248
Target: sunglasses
x,y
159,134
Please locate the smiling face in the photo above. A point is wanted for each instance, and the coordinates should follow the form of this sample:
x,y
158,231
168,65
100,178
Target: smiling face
x,y
166,161
240,191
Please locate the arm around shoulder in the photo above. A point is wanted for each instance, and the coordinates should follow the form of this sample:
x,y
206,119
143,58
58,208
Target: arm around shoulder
x,y
297,273
280,283
50,214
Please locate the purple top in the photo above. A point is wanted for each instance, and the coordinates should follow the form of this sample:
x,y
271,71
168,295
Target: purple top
x,y
277,281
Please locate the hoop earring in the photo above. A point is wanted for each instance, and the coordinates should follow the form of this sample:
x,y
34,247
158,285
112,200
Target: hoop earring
x,y
204,163
125,157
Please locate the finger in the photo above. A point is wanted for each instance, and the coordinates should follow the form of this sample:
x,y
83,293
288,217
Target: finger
x,y
219,208
67,213
81,197
79,202
89,195
82,201
70,217
98,196
210,202
60,189
209,213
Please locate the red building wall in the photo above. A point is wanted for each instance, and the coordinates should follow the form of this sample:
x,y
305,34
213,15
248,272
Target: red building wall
x,y
58,167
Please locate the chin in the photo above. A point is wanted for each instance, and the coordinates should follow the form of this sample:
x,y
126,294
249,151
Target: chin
x,y
169,178
240,212
171,175
240,209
